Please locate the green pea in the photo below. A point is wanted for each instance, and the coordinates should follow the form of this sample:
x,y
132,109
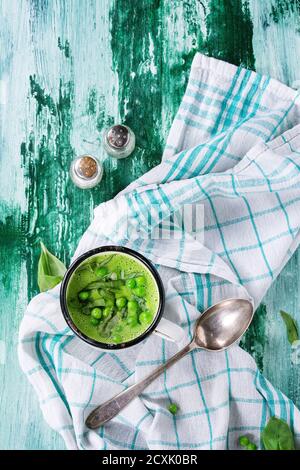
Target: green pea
x,y
140,281
145,317
83,295
117,338
132,321
173,408
139,291
121,302
101,272
131,283
106,312
132,306
96,313
244,441
251,446
94,321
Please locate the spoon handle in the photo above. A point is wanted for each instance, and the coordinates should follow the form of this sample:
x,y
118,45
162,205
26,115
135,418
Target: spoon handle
x,y
112,407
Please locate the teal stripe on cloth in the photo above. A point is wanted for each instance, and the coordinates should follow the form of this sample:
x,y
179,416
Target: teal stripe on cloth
x,y
188,445
230,95
198,378
260,245
287,233
284,116
40,339
281,205
178,445
219,229
60,353
192,414
235,100
213,131
138,429
252,220
256,214
245,116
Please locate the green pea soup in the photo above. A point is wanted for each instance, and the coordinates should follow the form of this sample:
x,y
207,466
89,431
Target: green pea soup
x,y
112,298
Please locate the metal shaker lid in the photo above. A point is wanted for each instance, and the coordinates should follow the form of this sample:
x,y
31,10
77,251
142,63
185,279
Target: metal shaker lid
x,y
118,136
118,141
86,171
86,167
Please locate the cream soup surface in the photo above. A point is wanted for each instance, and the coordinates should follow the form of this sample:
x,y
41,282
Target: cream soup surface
x,y
112,297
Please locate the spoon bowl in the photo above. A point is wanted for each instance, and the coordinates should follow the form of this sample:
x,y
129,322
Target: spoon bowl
x,y
223,324
216,329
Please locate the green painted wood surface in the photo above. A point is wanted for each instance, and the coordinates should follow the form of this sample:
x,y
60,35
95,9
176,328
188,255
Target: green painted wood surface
x,y
68,68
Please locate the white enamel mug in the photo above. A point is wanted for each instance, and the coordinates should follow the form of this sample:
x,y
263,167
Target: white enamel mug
x,y
160,326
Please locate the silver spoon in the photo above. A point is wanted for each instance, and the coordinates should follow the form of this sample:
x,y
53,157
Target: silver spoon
x,y
218,328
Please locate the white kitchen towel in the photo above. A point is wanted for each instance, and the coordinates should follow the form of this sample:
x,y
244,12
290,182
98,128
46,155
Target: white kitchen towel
x,y
234,151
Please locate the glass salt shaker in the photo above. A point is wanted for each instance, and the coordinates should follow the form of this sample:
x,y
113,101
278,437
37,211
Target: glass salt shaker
x,y
119,141
86,171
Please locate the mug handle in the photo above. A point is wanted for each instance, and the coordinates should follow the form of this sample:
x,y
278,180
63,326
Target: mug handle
x,y
168,330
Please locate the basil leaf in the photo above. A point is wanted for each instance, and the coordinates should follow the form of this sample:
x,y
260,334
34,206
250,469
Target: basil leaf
x,y
50,270
291,326
277,435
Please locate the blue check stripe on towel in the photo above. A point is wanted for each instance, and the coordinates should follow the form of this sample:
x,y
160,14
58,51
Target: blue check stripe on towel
x,y
234,148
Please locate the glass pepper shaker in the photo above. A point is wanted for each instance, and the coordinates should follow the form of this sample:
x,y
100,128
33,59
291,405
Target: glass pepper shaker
x,y
86,171
119,141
